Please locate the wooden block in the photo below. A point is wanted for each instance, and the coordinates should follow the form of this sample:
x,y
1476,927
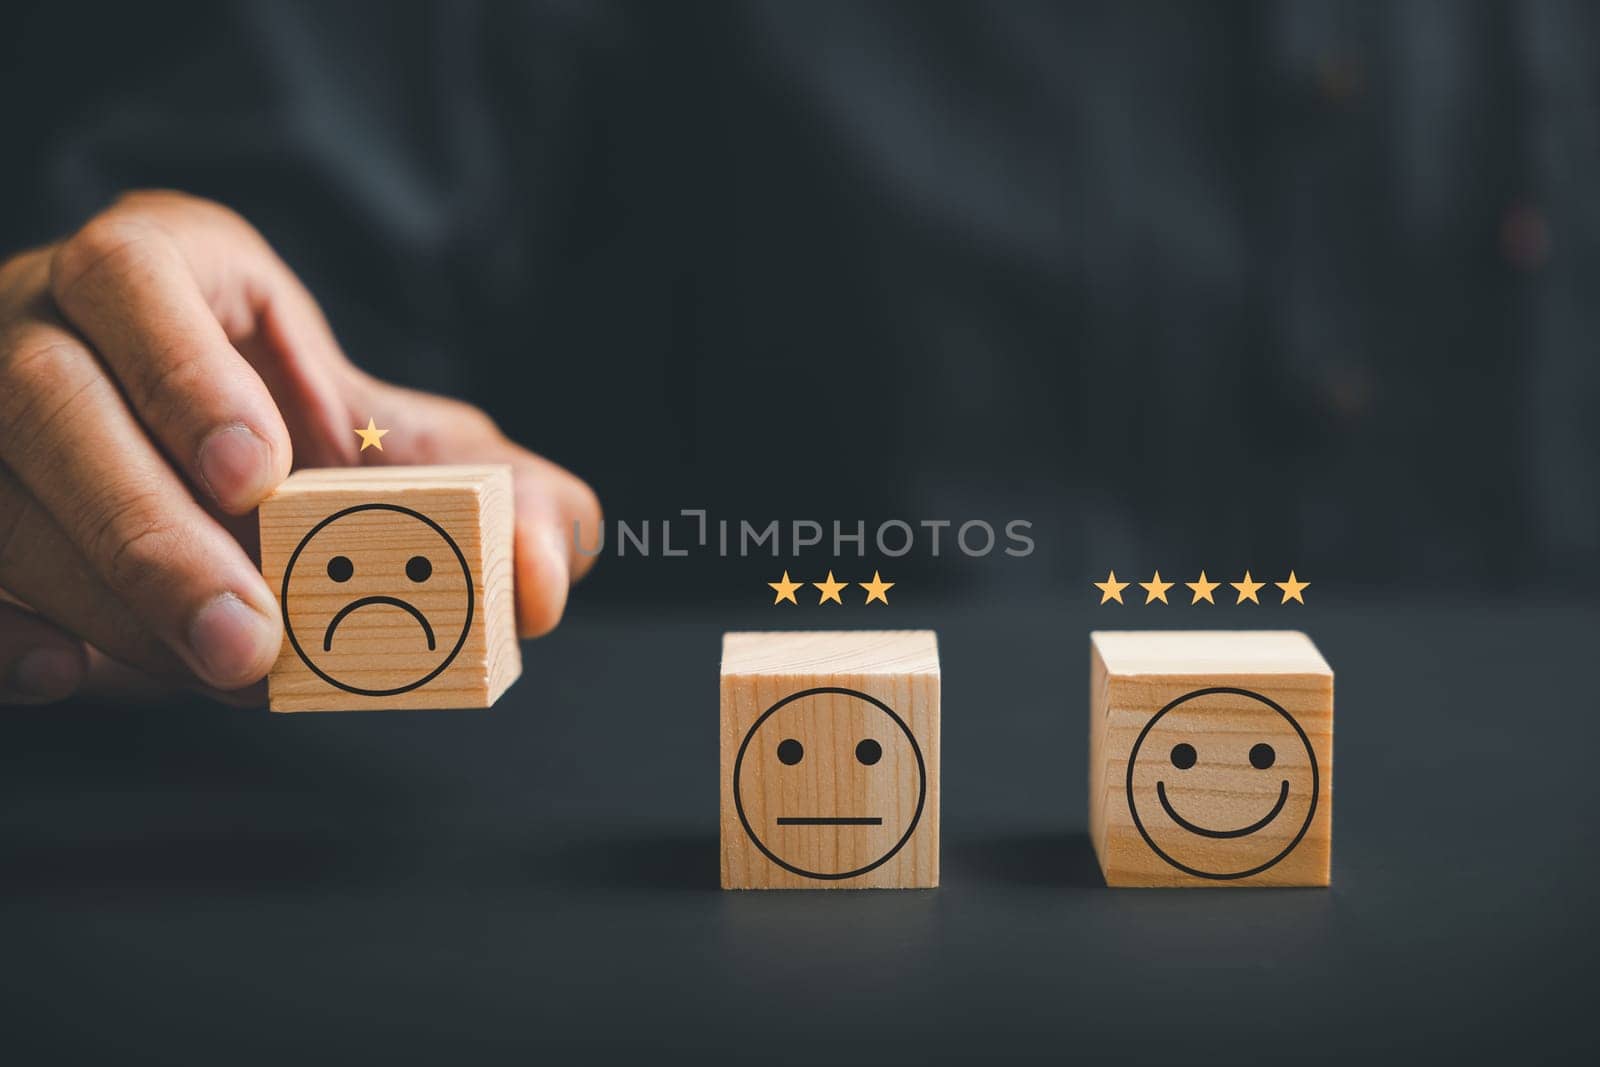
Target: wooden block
x,y
830,760
1210,758
395,585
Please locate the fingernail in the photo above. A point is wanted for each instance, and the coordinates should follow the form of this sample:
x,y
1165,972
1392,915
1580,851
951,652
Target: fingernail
x,y
236,465
46,674
230,640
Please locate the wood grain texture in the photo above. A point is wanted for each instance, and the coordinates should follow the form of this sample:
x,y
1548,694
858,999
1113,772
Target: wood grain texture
x,y
400,593
820,727
1229,737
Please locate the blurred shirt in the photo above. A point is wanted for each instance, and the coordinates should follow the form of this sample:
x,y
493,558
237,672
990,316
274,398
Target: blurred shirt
x,y
1273,284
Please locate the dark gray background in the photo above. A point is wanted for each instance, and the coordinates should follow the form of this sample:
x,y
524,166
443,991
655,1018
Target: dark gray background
x,y
192,884
1270,284
1273,283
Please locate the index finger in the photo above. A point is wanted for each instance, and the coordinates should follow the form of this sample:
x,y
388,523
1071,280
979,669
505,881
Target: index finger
x,y
125,284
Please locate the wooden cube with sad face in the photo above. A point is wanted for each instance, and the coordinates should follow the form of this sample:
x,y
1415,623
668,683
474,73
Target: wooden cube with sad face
x,y
830,760
1210,758
395,586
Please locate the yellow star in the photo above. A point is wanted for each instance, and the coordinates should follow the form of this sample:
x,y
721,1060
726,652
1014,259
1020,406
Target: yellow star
x,y
785,590
1292,589
876,589
1247,589
1110,589
1202,589
371,437
1155,589
830,590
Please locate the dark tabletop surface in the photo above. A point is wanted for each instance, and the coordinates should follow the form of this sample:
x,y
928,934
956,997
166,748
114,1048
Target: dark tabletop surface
x,y
188,883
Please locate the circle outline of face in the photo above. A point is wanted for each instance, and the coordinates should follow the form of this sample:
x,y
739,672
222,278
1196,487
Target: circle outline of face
x,y
288,628
1316,783
922,783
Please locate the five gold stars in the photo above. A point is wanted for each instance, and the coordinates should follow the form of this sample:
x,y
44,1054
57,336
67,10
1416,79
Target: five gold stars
x,y
1202,589
878,588
1292,589
1247,589
1155,589
371,437
830,590
785,590
1110,589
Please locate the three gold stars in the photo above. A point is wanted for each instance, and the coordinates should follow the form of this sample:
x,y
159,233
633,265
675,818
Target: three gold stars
x,y
1202,588
831,589
371,437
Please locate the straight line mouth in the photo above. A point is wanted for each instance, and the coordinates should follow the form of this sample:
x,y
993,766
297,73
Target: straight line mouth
x,y
812,820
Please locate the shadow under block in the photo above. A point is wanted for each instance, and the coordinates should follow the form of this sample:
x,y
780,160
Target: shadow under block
x,y
395,585
1210,758
830,760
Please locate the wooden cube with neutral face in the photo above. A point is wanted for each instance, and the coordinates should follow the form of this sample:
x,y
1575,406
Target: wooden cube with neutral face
x,y
395,586
1210,758
830,760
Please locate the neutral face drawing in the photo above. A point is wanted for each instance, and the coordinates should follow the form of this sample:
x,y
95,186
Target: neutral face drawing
x,y
815,783
1222,783
374,584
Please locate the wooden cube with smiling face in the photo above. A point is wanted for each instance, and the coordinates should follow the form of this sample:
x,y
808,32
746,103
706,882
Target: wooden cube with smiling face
x,y
395,588
1210,758
830,760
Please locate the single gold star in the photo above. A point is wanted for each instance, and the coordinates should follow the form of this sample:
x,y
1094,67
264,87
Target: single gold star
x,y
1247,589
1110,589
876,589
1202,589
785,590
830,590
371,437
1292,589
1155,589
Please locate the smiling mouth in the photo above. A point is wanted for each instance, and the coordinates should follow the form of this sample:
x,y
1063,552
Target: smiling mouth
x,y
368,601
1245,831
813,820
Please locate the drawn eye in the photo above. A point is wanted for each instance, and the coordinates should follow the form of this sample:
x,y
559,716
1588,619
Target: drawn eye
x,y
791,751
1183,756
1262,756
418,569
340,568
869,752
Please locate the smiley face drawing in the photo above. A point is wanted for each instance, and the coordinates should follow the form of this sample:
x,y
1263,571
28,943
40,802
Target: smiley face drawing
x,y
373,584
816,783
1222,783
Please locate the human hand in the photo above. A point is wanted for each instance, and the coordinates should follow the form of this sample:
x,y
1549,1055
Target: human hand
x,y
160,372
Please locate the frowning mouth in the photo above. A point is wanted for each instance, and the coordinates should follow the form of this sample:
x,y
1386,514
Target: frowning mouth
x,y
820,821
369,601
1245,831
